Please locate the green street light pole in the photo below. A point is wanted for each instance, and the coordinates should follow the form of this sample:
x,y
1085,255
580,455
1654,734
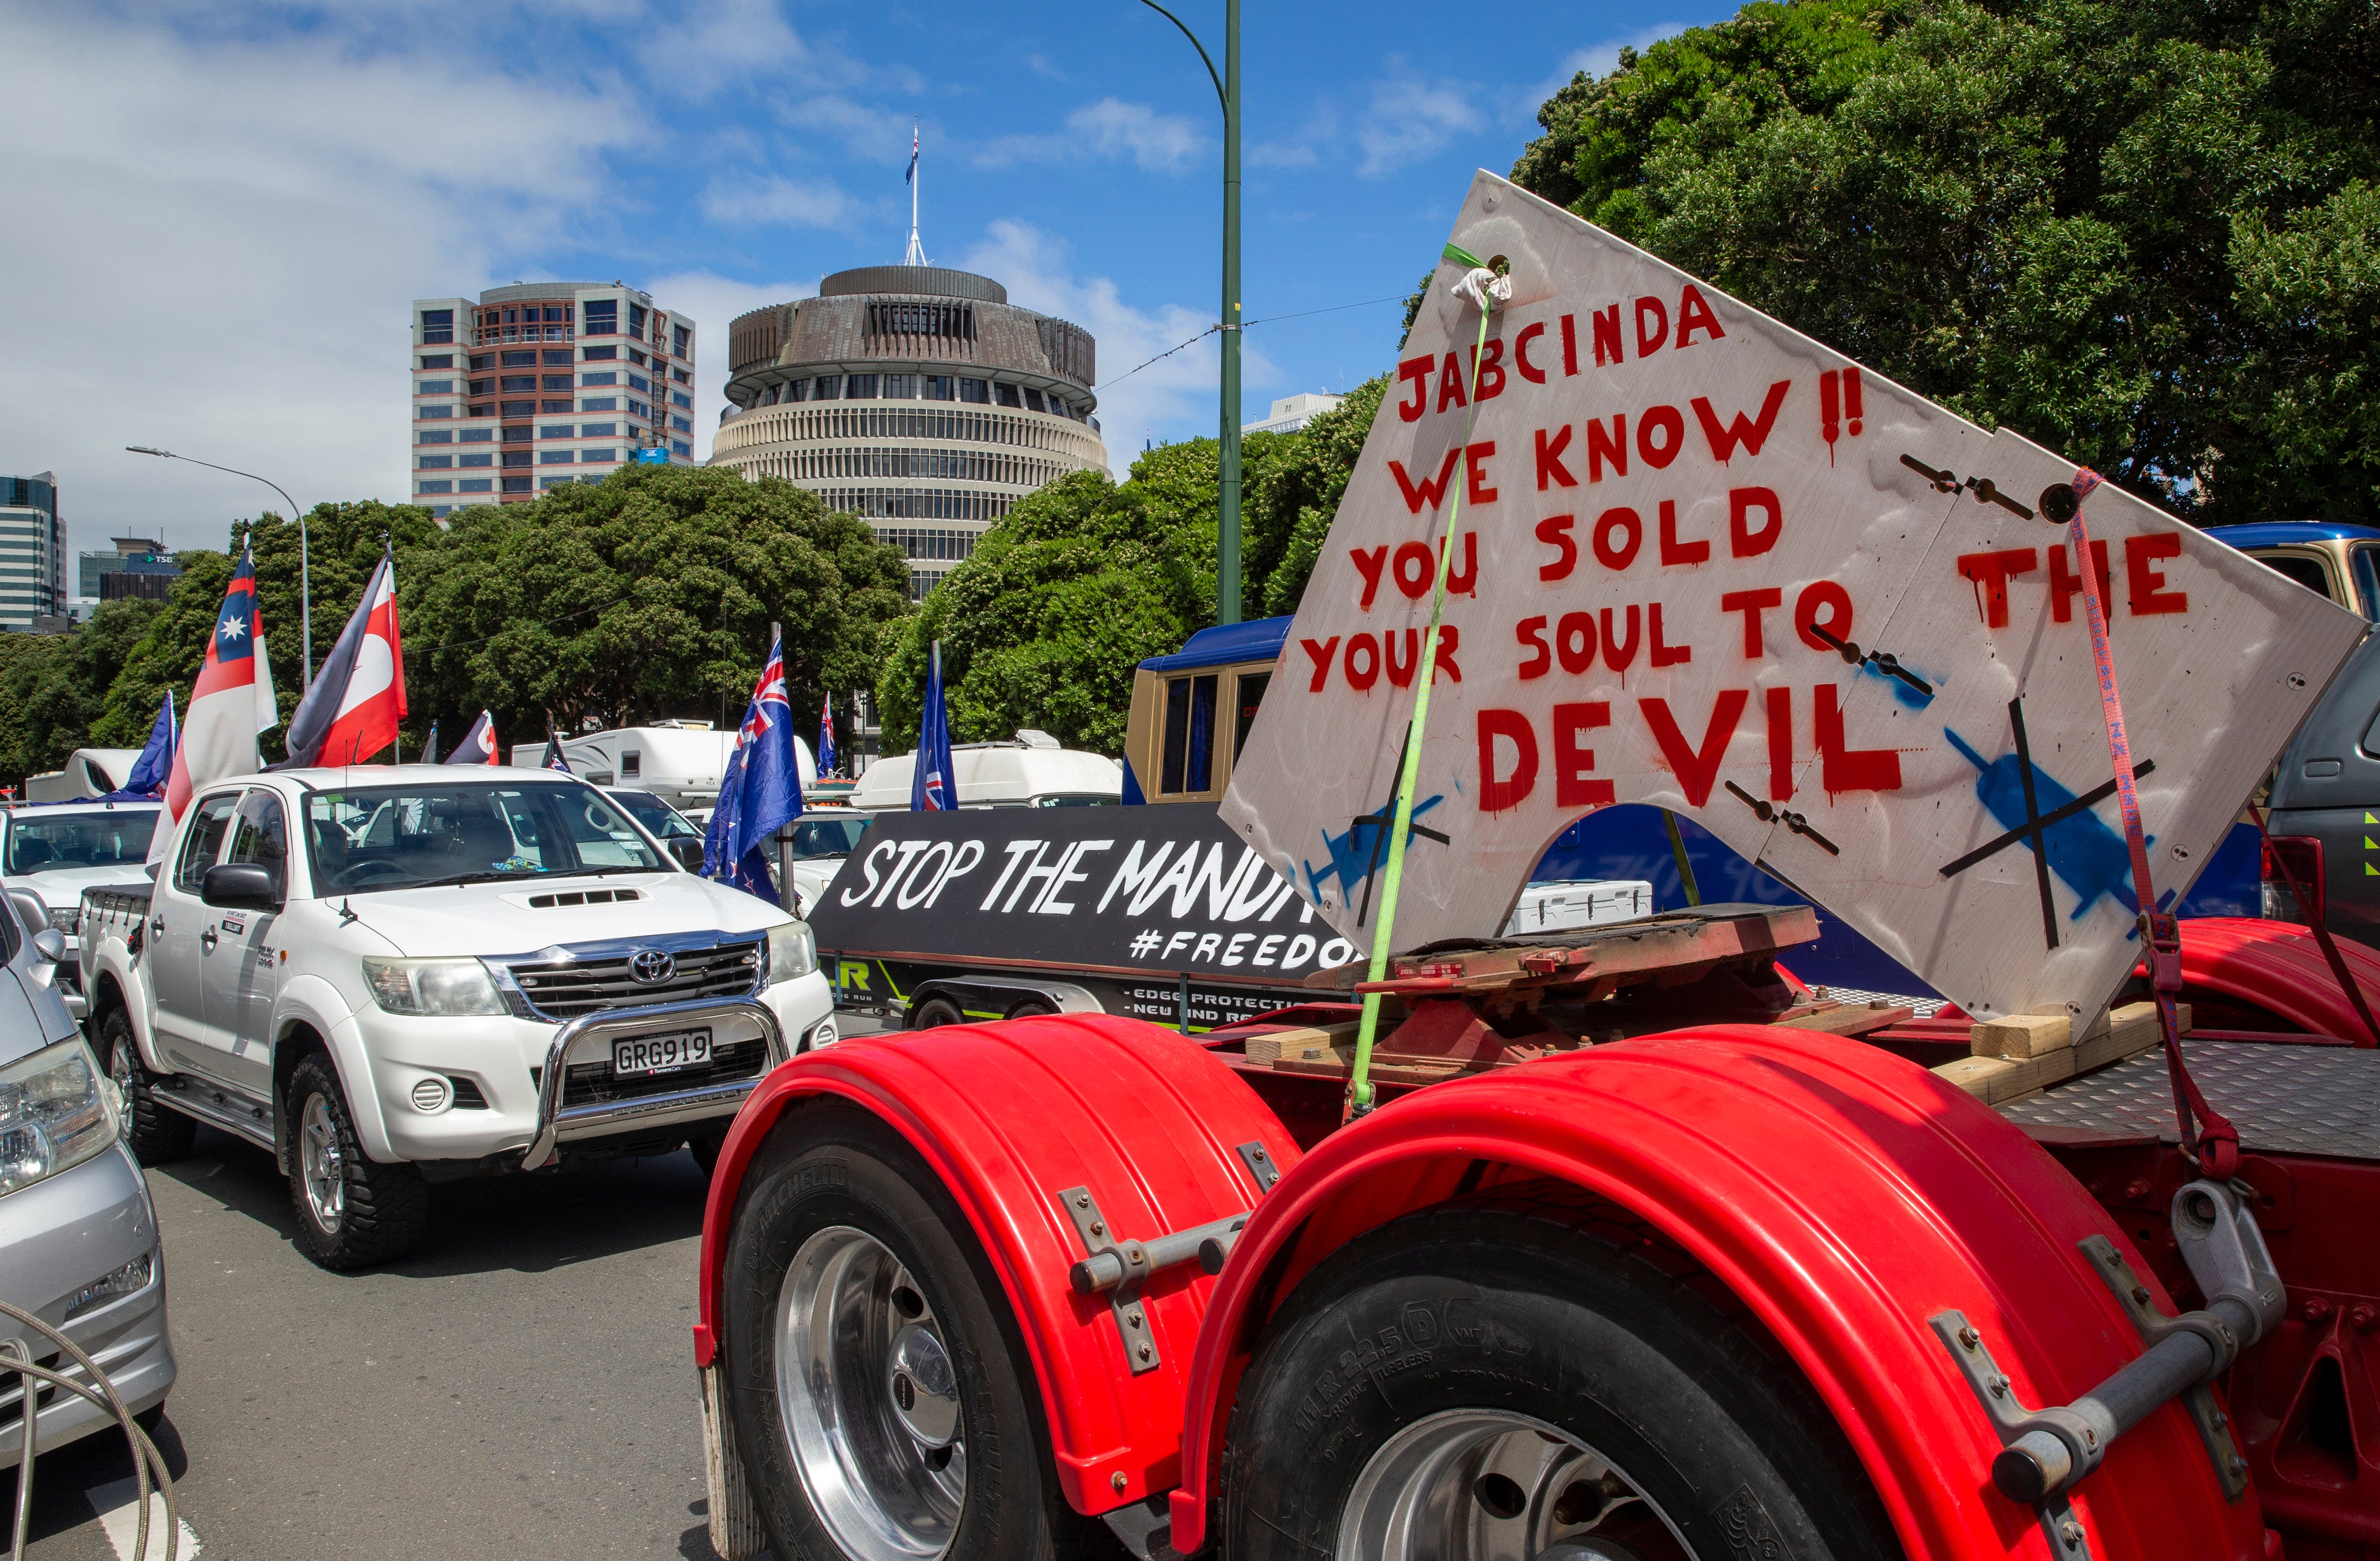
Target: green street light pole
x,y
305,573
1227,530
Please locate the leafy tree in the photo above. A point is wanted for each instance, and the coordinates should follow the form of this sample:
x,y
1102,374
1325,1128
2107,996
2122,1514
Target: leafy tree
x,y
1043,625
53,687
170,649
2140,234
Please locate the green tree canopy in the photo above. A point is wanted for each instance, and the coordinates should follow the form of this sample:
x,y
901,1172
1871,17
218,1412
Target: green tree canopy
x,y
53,687
2144,235
1084,579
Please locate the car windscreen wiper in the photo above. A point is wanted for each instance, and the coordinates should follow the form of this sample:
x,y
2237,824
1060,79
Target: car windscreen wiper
x,y
486,877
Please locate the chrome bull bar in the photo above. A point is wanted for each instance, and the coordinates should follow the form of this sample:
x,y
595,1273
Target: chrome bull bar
x,y
554,1120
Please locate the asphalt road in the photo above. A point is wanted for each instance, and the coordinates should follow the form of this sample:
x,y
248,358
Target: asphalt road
x,y
524,1386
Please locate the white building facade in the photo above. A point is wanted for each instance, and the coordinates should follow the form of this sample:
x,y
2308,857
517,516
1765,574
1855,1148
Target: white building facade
x,y
32,551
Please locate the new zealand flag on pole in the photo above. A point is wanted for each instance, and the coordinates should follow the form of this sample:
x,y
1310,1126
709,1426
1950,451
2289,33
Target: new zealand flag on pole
x,y
762,789
933,785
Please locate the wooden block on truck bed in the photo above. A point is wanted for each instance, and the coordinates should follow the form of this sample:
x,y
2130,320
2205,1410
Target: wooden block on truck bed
x,y
2132,1028
1299,1043
1846,1019
2023,1035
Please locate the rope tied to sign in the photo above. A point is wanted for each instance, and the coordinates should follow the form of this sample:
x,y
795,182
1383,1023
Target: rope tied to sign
x,y
1486,291
2207,1136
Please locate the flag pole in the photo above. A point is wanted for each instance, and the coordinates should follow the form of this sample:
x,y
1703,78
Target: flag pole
x,y
785,895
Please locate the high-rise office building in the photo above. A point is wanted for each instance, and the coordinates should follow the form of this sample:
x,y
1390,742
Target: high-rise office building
x,y
538,384
32,551
915,397
129,566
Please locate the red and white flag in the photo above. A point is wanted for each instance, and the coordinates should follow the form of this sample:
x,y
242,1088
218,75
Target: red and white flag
x,y
231,702
478,744
352,711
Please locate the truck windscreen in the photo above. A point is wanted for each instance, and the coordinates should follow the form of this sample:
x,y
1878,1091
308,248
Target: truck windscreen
x,y
119,838
409,837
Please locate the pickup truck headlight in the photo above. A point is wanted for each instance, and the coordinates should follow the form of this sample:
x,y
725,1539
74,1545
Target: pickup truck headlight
x,y
66,919
54,1115
434,988
793,952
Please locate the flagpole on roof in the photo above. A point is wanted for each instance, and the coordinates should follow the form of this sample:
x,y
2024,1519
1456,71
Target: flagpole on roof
x,y
917,255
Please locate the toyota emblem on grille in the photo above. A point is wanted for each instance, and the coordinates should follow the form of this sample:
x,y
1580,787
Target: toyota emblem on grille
x,y
652,965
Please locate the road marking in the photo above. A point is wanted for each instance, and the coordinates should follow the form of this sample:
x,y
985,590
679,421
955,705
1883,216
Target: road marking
x,y
117,1504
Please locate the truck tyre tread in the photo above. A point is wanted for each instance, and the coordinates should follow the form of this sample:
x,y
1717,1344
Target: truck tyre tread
x,y
155,1133
828,1164
1543,1315
934,1012
386,1206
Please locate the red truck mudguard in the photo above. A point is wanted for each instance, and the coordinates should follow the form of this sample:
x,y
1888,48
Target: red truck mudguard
x,y
2279,966
1008,1116
1845,1197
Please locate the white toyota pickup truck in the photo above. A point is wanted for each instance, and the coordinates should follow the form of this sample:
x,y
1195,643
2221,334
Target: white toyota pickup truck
x,y
390,976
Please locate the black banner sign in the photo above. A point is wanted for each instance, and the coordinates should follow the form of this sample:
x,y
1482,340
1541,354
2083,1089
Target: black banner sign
x,y
1120,889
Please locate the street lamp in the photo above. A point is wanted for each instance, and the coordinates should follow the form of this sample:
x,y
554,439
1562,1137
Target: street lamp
x,y
1227,88
305,573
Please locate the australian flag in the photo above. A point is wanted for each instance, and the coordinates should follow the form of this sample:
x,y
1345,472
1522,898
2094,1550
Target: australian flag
x,y
933,788
762,789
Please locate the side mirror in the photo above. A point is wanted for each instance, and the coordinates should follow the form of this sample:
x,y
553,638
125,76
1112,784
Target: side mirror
x,y
239,885
687,852
50,946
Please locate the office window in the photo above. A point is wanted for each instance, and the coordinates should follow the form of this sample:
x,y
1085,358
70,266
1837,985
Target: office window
x,y
638,382
555,458
599,404
1032,400
557,358
681,376
637,358
518,410
436,463
516,384
518,457
638,409
798,390
482,458
550,407
683,448
482,360
859,387
600,354
636,320
768,396
977,391
683,425
600,317
937,388
477,435
1007,394
515,484
438,360
475,486
443,486
483,409
559,315
554,482
592,456
687,401
520,359
434,387
483,387
433,411
897,387
558,431
681,341
1059,407
606,377
556,382
438,436
830,387
599,430
437,326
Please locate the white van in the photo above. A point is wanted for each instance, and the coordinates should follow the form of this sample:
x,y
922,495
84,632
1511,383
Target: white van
x,y
1031,771
680,762
90,772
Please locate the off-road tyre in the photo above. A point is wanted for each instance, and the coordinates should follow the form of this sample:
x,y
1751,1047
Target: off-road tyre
x,y
155,1133
1531,1316
935,1012
830,1165
384,1209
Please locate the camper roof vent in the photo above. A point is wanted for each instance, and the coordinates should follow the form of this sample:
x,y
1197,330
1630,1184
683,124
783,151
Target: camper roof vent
x,y
1031,737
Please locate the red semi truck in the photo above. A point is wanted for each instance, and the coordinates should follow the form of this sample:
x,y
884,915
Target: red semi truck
x,y
1616,1244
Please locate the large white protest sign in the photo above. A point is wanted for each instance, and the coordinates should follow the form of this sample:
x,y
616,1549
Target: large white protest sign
x,y
1704,562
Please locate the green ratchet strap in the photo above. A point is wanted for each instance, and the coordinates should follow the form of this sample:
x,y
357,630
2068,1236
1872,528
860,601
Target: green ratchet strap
x,y
1359,1079
1677,849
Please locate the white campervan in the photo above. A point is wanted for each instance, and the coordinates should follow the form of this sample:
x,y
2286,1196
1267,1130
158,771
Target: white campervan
x,y
680,762
1031,771
89,772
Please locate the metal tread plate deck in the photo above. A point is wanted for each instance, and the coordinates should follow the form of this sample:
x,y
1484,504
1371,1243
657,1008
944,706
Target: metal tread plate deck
x,y
2284,1099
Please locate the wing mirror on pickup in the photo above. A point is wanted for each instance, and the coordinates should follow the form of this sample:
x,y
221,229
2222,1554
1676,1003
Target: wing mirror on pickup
x,y
687,852
239,885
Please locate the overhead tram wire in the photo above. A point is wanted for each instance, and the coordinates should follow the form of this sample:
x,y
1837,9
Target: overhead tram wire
x,y
1334,309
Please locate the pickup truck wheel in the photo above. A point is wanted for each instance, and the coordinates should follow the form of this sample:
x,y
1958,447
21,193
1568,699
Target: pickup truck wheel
x,y
934,1012
351,1211
154,1133
1490,1385
880,1388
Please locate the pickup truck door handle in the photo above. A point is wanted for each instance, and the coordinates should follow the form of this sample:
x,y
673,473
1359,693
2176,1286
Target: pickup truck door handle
x,y
207,940
157,926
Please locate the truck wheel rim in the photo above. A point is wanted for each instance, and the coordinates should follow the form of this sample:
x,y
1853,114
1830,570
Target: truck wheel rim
x,y
870,1400
1488,1485
119,1067
320,1166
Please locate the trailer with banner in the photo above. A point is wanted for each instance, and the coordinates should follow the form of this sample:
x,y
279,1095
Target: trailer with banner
x,y
1612,1243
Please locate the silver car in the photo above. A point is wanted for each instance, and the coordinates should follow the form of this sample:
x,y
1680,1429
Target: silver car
x,y
78,1244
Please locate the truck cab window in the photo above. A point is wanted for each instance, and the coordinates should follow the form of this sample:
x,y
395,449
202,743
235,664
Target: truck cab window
x,y
204,842
2363,563
2304,569
261,837
1189,762
1252,693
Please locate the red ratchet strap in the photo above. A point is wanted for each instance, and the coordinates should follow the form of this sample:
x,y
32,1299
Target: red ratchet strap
x,y
2320,934
2207,1136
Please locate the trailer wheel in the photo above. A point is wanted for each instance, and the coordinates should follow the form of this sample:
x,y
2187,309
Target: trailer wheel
x,y
881,1396
1477,1384
934,1012
154,1133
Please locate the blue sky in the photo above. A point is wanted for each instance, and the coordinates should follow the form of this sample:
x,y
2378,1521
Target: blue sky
x,y
220,214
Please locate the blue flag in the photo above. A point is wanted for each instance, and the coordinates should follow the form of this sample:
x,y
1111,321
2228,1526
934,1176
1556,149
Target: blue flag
x,y
761,790
749,871
826,738
933,785
156,761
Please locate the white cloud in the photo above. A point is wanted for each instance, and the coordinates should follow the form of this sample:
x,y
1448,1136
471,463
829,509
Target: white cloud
x,y
1040,65
1161,143
1168,397
777,203
1397,118
712,301
230,233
